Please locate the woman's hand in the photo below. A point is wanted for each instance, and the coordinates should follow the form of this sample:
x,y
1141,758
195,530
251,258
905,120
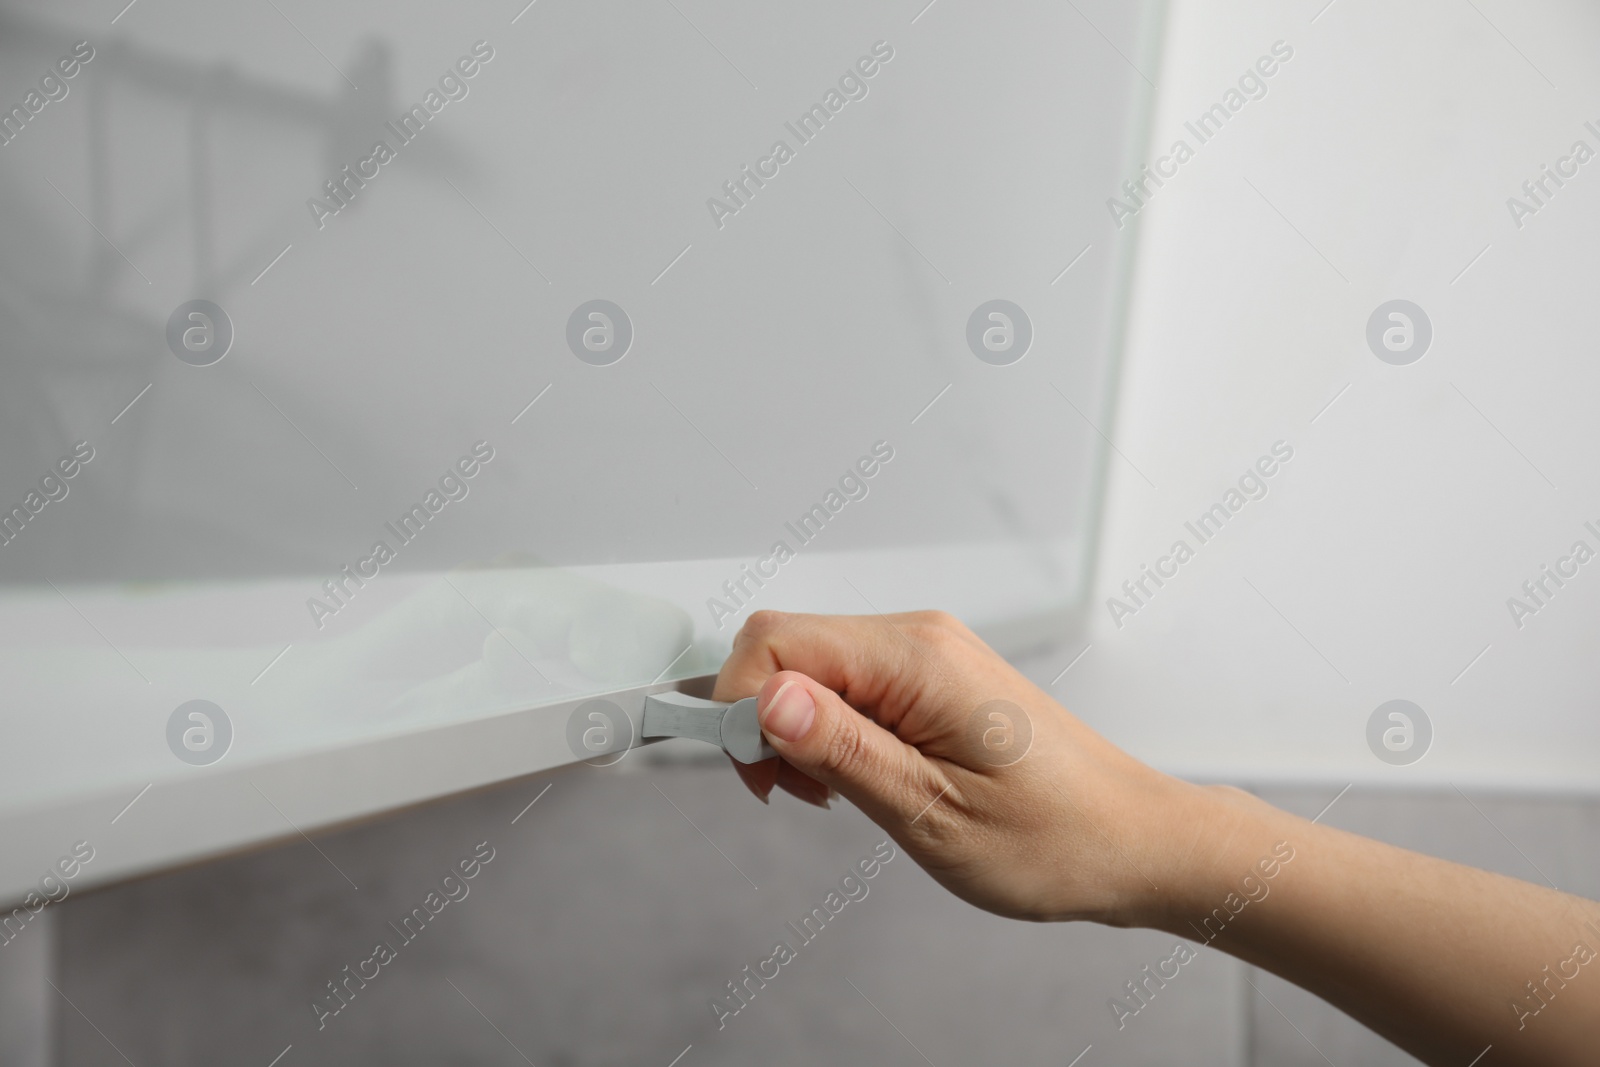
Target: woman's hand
x,y
998,792
1019,808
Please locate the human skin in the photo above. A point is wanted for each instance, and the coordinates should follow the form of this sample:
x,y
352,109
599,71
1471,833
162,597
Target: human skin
x,y
885,710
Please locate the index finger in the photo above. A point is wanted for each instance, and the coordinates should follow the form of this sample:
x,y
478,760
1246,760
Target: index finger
x,y
872,661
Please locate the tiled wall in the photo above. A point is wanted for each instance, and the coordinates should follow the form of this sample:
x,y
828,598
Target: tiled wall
x,y
1546,840
624,899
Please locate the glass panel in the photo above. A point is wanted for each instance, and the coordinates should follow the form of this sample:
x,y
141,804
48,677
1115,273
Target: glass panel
x,y
382,365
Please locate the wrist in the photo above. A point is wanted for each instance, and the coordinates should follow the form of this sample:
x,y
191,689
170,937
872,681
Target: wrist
x,y
1208,847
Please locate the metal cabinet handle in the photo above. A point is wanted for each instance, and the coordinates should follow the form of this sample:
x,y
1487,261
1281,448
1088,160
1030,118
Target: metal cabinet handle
x,y
732,727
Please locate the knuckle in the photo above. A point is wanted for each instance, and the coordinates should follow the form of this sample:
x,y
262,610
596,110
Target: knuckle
x,y
942,633
760,626
939,625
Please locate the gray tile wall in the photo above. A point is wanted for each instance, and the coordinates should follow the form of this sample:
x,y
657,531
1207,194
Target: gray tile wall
x,y
614,909
625,898
27,1003
1547,840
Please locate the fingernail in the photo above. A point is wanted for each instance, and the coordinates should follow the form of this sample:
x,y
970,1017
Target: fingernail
x,y
789,714
759,793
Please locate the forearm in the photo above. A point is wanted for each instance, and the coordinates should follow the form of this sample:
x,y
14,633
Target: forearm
x,y
1434,956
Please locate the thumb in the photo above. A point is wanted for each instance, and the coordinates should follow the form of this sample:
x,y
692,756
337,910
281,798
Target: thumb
x,y
820,735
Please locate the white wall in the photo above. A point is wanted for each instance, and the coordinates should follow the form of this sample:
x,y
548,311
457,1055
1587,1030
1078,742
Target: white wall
x,y
1393,539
